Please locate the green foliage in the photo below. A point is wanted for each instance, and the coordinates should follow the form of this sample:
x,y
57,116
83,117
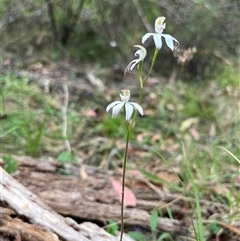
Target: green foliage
x,y
24,115
90,49
196,102
138,236
66,157
113,128
112,227
165,236
154,221
154,236
87,30
199,228
32,135
228,77
215,228
11,164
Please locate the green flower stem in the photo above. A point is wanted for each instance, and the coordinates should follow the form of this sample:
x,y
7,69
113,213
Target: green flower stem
x,y
128,127
152,64
140,74
140,96
142,83
141,91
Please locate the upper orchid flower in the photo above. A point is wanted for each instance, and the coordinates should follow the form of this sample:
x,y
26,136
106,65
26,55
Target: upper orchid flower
x,y
157,37
141,54
117,105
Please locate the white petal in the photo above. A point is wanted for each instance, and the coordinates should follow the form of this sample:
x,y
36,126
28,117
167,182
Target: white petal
x,y
116,109
170,41
112,104
134,64
137,106
129,111
157,40
146,36
129,67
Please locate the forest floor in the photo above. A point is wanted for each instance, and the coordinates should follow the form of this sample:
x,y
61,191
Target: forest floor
x,y
183,153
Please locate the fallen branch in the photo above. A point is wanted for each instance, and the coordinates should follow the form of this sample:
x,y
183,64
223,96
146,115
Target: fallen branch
x,y
87,194
49,223
29,205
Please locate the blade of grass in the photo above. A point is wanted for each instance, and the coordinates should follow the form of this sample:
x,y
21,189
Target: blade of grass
x,y
230,153
200,234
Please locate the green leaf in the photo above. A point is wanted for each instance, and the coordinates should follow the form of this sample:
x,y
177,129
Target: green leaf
x,y
138,236
154,221
11,164
66,157
164,236
112,228
215,228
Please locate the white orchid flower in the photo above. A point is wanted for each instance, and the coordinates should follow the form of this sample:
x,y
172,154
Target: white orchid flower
x,y
129,106
141,54
157,37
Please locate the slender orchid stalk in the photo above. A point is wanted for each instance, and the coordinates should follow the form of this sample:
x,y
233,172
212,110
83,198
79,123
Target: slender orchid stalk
x,y
116,106
129,107
123,180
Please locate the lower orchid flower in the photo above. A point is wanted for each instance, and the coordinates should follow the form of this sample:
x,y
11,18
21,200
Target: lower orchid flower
x,y
116,106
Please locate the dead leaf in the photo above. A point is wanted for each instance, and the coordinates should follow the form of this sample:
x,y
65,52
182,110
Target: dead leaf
x,y
95,81
186,124
129,196
83,173
195,134
212,131
140,138
153,80
173,147
90,113
167,176
171,107
155,138
134,173
52,126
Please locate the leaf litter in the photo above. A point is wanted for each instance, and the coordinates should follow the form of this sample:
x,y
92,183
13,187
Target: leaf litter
x,y
162,135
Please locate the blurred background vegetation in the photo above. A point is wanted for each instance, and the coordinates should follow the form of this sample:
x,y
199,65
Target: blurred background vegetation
x,y
87,30
57,40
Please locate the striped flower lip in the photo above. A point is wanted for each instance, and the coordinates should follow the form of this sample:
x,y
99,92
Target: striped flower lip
x,y
157,37
116,106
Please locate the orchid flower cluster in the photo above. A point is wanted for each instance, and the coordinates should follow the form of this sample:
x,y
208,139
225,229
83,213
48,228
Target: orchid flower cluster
x,y
141,53
124,103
